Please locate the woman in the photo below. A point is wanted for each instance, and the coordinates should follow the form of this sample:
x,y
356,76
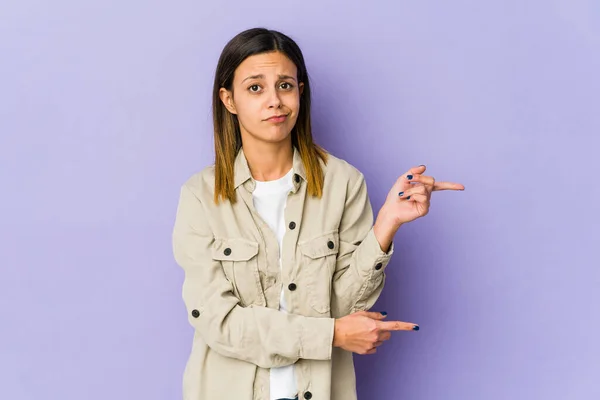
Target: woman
x,y
277,241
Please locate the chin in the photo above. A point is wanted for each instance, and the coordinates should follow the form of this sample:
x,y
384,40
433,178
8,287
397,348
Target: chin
x,y
274,134
277,134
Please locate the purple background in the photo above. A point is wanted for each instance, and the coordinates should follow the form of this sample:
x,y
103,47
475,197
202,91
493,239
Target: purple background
x,y
105,111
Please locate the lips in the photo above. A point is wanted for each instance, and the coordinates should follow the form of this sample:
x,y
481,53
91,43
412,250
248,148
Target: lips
x,y
277,118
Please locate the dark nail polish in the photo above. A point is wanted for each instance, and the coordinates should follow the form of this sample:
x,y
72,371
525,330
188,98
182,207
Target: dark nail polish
x,y
408,198
400,194
409,177
383,313
416,328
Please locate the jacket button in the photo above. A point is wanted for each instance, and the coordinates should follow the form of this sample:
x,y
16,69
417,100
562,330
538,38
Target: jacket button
x,y
227,251
330,245
308,395
292,225
195,313
292,286
378,266
297,178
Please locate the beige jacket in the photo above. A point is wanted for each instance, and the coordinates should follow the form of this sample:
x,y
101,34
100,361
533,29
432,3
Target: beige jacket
x,y
332,266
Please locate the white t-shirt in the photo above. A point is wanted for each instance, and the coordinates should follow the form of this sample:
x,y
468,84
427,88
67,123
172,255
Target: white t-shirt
x,y
269,199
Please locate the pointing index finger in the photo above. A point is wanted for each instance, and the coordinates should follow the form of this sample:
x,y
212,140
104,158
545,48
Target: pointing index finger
x,y
397,326
448,186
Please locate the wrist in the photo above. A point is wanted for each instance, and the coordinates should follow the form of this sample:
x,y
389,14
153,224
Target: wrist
x,y
384,232
385,222
337,335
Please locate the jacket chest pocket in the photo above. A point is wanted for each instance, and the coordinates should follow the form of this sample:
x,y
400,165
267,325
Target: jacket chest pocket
x,y
318,264
239,258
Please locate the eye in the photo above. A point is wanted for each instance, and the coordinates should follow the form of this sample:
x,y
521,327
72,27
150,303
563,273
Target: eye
x,y
286,85
254,88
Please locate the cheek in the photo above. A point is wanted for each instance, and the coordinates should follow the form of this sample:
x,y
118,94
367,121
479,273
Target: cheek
x,y
294,104
248,111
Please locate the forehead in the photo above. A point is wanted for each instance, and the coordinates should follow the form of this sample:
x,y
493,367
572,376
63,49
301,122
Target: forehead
x,y
272,63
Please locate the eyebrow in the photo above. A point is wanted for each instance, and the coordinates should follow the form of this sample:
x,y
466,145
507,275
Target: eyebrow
x,y
261,76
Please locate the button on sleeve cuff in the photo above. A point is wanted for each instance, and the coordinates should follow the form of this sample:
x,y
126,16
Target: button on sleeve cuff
x,y
370,258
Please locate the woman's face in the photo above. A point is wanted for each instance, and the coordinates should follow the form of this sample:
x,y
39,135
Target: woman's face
x,y
265,86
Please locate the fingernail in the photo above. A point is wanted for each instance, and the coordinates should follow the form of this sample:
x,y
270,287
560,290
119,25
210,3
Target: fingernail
x,y
409,177
422,165
408,198
384,313
416,328
400,194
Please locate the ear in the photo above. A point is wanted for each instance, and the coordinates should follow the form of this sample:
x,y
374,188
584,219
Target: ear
x,y
301,87
227,98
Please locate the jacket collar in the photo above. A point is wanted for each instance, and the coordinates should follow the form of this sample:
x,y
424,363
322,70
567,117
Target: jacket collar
x,y
242,175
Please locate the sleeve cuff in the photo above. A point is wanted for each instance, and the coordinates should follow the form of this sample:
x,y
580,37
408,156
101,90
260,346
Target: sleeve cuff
x,y
369,256
317,338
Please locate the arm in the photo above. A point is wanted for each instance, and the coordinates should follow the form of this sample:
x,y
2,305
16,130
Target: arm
x,y
359,275
259,335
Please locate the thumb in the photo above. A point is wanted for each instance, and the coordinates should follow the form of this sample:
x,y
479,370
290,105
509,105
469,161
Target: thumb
x,y
373,315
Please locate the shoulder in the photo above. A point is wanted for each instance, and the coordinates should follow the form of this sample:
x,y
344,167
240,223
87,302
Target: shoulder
x,y
339,169
201,183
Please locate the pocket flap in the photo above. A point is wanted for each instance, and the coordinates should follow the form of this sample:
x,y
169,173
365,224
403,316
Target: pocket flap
x,y
323,245
234,249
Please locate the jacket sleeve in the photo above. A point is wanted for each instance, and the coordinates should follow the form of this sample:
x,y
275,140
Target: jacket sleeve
x,y
259,335
359,275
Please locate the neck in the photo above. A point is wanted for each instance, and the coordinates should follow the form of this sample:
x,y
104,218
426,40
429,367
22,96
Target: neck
x,y
269,161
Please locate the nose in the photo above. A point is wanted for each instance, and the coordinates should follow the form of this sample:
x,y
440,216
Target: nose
x,y
274,99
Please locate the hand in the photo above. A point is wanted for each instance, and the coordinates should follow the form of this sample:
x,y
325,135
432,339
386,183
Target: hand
x,y
363,331
410,197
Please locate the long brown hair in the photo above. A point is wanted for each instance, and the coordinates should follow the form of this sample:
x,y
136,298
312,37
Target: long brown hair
x,y
228,140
